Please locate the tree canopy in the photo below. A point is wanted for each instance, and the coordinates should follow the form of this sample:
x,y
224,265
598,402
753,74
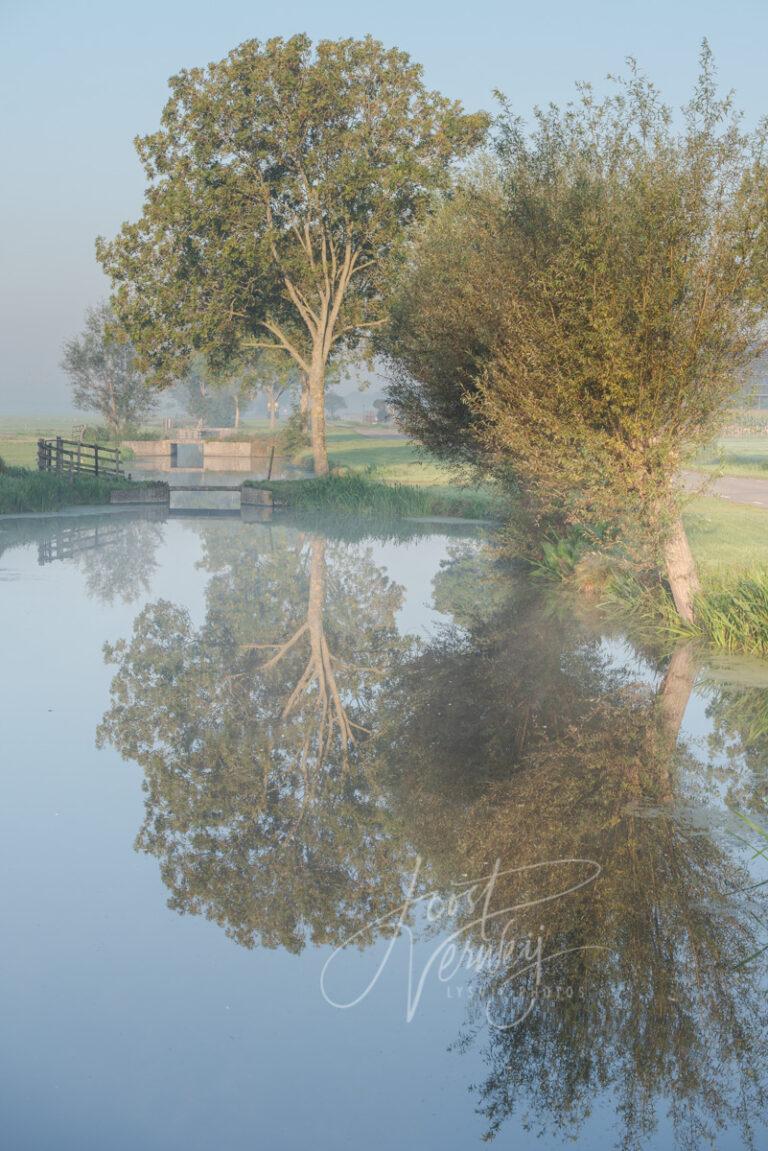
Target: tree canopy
x,y
281,183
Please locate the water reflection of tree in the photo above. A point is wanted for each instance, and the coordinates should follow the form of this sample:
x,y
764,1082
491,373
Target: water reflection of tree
x,y
513,735
122,567
259,806
521,742
116,554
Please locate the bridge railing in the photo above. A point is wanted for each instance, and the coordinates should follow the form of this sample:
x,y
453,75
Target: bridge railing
x,y
72,458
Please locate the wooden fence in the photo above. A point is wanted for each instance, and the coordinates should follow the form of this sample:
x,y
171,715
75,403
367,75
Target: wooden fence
x,y
72,458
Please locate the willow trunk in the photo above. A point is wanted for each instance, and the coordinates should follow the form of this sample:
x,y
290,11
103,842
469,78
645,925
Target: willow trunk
x,y
681,572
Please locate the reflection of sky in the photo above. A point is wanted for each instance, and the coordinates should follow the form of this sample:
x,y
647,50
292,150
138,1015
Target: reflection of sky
x,y
414,564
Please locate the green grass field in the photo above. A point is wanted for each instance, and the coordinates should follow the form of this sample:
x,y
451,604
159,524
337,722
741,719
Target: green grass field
x,y
737,457
19,436
726,538
391,457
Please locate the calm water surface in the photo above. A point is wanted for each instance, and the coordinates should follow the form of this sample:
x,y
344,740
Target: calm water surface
x,y
318,838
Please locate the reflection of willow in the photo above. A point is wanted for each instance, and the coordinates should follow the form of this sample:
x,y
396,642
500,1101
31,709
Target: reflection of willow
x,y
510,744
258,804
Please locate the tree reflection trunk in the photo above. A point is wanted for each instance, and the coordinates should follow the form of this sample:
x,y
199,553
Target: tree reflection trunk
x,y
317,686
672,700
675,691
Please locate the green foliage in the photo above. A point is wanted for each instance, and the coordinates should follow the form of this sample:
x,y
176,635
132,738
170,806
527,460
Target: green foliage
x,y
334,404
560,556
731,615
597,299
735,616
281,183
446,312
294,440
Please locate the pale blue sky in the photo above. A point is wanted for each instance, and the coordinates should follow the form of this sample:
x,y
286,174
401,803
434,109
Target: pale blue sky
x,y
79,79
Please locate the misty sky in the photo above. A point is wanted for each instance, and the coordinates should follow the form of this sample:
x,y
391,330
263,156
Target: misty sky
x,y
79,80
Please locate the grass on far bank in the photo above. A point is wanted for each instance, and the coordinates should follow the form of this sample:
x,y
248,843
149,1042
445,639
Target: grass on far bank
x,y
385,475
727,539
730,543
363,495
23,490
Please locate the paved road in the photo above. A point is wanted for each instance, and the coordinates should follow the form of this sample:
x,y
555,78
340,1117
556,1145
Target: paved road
x,y
739,489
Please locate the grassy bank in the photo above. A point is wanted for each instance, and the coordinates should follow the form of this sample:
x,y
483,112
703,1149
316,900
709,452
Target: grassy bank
x,y
364,496
730,544
23,490
392,457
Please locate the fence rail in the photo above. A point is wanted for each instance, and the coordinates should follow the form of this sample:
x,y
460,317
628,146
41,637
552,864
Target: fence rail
x,y
72,458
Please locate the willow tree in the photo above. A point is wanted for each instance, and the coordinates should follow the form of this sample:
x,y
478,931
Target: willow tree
x,y
280,183
631,303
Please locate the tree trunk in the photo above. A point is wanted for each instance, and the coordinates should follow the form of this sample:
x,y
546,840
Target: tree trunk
x,y
271,402
237,411
317,414
681,572
304,396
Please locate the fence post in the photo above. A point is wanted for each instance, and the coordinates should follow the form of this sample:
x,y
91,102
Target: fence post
x,y
59,453
41,455
95,459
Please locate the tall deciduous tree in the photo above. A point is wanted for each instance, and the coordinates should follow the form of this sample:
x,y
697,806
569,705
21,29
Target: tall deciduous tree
x,y
631,300
103,373
281,182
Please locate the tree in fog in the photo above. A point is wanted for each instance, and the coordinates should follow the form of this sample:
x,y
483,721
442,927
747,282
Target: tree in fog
x,y
101,366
